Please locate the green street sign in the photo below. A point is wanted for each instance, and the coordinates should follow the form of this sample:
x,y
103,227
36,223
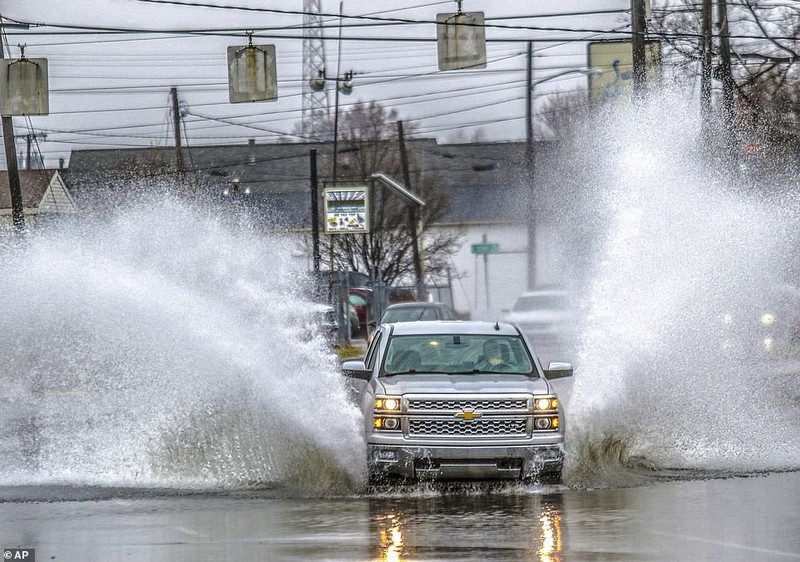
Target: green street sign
x,y
485,248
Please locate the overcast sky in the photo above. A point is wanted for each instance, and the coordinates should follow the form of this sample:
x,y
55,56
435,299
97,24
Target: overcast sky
x,y
112,64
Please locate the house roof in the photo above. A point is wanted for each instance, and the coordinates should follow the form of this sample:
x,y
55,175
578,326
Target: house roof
x,y
42,190
479,178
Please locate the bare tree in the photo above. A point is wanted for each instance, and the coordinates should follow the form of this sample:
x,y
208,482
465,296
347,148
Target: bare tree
x,y
765,59
560,114
369,143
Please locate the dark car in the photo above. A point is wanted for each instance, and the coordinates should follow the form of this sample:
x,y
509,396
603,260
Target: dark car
x,y
415,311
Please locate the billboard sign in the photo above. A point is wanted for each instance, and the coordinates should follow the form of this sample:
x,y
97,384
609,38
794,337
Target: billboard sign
x,y
346,210
614,60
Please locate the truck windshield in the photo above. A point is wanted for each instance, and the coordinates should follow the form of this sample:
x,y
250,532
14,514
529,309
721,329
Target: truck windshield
x,y
457,353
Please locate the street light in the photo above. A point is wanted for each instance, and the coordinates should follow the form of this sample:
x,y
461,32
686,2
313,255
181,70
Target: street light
x,y
344,84
532,85
531,283
414,203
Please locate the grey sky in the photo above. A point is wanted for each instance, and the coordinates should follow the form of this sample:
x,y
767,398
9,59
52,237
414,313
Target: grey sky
x,y
111,90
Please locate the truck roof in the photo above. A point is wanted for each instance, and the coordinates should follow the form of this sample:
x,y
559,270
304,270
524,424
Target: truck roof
x,y
434,327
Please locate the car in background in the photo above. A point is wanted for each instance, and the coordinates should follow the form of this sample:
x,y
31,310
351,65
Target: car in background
x,y
416,311
435,406
315,319
361,300
546,316
761,321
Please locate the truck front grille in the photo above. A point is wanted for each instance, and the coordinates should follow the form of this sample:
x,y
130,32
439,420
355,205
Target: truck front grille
x,y
468,416
490,427
455,405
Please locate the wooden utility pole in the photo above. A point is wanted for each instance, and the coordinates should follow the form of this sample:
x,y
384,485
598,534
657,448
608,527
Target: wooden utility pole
x,y
29,138
530,158
17,212
706,60
529,100
176,125
726,75
638,47
314,211
412,215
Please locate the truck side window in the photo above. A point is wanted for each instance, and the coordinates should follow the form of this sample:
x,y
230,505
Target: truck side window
x,y
372,352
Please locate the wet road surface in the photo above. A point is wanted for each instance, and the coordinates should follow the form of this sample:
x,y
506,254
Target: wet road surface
x,y
738,518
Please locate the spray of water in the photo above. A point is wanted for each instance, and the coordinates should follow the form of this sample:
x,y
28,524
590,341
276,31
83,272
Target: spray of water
x,y
672,373
159,349
163,348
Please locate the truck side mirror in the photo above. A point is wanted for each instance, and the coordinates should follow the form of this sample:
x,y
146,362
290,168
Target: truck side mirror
x,y
558,370
356,370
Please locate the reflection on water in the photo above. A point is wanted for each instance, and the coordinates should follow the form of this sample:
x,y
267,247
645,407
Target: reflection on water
x,y
511,525
391,538
550,537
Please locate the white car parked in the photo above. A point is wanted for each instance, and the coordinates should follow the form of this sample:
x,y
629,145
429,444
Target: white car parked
x,y
546,316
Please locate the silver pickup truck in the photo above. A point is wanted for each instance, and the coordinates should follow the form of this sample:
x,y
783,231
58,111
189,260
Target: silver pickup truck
x,y
458,400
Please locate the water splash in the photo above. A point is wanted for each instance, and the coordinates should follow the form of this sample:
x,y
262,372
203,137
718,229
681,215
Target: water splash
x,y
161,348
672,370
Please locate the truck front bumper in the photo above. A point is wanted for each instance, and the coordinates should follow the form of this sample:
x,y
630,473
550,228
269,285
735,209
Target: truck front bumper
x,y
465,463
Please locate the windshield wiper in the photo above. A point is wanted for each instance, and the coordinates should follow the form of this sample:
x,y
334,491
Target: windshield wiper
x,y
410,372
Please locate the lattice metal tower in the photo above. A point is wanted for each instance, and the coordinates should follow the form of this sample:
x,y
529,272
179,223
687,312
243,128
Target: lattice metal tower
x,y
316,107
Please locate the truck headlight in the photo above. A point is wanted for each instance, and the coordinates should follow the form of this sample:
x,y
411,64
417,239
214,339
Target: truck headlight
x,y
545,404
387,404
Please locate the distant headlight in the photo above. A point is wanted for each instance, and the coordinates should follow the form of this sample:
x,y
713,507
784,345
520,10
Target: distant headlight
x,y
387,404
768,319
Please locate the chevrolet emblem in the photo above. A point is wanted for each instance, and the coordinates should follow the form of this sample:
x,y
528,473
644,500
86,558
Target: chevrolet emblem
x,y
468,415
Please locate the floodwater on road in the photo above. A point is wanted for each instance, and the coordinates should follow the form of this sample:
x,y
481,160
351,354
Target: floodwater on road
x,y
731,519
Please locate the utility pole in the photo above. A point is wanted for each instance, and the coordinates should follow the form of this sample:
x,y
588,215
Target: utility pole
x,y
17,212
176,125
29,138
529,100
314,211
706,60
412,214
725,63
531,162
638,46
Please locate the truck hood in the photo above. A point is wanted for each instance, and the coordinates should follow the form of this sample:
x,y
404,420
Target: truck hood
x,y
467,384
